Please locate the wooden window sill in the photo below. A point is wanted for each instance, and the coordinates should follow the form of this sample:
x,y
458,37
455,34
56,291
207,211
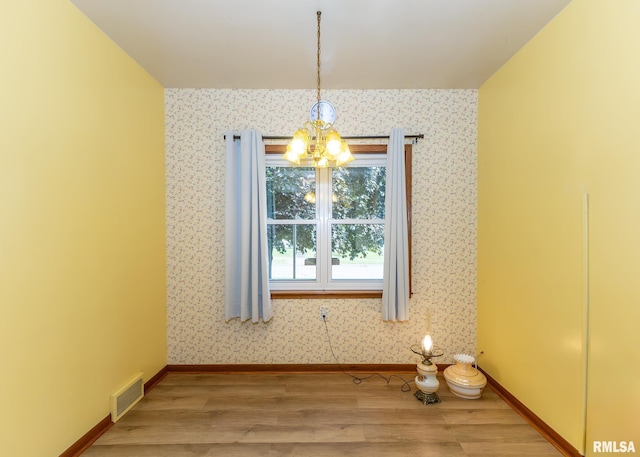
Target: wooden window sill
x,y
306,294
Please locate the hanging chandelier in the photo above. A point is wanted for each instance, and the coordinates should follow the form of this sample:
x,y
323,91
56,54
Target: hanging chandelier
x,y
317,139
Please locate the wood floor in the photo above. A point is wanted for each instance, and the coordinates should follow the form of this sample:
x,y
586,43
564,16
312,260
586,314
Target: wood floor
x,y
313,415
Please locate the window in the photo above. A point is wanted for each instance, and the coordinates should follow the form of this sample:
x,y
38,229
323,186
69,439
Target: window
x,y
325,227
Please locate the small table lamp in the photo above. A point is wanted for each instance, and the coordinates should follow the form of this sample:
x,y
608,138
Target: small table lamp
x,y
426,381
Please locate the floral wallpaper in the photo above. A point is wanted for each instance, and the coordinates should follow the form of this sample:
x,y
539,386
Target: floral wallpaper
x,y
444,229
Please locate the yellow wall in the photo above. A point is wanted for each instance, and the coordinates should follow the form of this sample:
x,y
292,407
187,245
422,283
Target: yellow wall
x,y
82,257
559,120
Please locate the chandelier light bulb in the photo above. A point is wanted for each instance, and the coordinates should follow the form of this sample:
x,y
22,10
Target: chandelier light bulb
x,y
427,344
292,156
323,162
334,143
300,143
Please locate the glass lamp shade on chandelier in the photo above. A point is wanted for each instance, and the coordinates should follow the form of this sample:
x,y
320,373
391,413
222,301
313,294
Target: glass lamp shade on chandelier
x,y
317,139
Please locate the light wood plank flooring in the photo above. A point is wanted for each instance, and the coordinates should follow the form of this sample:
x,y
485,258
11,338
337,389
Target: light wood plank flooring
x,y
313,415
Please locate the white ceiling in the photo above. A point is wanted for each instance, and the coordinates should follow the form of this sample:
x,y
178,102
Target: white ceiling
x,y
366,44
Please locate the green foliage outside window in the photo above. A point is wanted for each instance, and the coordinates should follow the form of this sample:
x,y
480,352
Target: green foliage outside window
x,y
358,193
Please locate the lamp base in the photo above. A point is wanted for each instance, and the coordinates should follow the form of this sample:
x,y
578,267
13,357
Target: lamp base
x,y
426,398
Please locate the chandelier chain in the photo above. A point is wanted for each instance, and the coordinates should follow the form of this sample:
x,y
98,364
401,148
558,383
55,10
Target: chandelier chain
x,y
318,139
319,13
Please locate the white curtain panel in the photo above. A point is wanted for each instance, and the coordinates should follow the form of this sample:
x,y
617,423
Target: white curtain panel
x,y
246,284
395,289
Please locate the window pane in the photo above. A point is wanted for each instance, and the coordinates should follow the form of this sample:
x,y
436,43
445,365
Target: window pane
x,y
358,192
357,251
292,251
291,192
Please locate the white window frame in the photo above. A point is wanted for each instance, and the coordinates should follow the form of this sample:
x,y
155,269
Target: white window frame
x,y
323,223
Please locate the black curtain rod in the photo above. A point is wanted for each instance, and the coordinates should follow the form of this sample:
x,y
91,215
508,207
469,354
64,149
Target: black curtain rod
x,y
369,137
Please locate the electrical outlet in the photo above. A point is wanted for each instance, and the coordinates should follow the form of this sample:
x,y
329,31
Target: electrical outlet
x,y
324,313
